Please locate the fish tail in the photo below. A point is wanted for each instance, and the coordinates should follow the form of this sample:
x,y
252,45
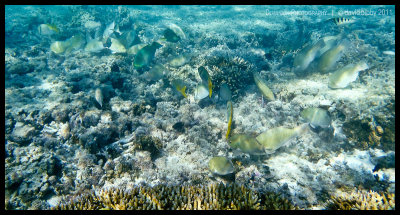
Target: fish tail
x,y
182,90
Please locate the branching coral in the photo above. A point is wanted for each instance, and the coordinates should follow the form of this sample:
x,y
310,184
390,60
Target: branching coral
x,y
215,196
362,200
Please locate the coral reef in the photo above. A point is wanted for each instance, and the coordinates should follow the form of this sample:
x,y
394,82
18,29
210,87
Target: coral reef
x,y
362,200
161,197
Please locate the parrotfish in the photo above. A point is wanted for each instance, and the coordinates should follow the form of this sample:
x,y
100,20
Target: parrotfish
x,y
180,86
75,42
108,31
135,48
145,55
117,46
330,57
171,36
155,73
263,87
229,117
343,77
221,166
306,56
246,144
178,61
316,117
58,47
274,138
94,46
205,77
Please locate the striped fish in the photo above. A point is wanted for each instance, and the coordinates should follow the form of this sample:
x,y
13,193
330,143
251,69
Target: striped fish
x,y
342,20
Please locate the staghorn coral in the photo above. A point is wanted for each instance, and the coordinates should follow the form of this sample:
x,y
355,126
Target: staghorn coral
x,y
215,196
235,71
362,200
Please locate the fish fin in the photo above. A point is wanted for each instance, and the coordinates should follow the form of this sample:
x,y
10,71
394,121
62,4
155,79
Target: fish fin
x,y
182,90
209,87
230,120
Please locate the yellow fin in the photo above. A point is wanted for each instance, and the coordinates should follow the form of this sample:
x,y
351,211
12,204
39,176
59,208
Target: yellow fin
x,y
209,87
182,90
230,112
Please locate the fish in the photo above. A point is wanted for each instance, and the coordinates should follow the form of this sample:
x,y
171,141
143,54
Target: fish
x,y
274,138
58,47
155,73
127,38
343,77
205,77
329,41
74,43
330,57
48,29
229,117
317,117
171,36
263,87
177,30
225,93
303,59
246,144
178,61
98,95
145,55
117,46
108,31
200,92
342,21
179,86
94,46
389,53
135,48
220,166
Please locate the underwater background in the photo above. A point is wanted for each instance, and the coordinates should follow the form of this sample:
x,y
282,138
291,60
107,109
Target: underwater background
x,y
199,107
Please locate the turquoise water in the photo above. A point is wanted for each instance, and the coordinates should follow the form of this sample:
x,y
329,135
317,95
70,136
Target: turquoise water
x,y
297,100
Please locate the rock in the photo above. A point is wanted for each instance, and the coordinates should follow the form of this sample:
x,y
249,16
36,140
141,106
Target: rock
x,y
22,133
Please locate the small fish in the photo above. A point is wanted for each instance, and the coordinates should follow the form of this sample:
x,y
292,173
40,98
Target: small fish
x,y
117,46
135,48
274,138
145,55
343,77
225,93
179,86
220,166
178,61
205,77
389,53
306,56
98,95
317,117
229,117
58,47
200,92
246,144
263,87
330,57
342,21
48,29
